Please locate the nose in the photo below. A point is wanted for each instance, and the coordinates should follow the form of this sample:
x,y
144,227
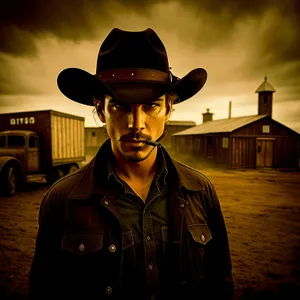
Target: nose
x,y
136,119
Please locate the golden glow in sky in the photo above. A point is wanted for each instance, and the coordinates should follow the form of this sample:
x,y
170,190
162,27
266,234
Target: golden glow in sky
x,y
237,42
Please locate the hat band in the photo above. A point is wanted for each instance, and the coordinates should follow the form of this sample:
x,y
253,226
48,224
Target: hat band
x,y
135,74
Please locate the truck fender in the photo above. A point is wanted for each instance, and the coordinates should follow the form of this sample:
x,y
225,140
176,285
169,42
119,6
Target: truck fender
x,y
5,160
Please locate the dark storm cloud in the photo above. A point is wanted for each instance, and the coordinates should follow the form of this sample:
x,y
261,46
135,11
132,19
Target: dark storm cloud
x,y
274,43
21,20
22,23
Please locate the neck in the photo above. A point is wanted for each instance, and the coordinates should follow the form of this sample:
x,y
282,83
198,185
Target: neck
x,y
135,171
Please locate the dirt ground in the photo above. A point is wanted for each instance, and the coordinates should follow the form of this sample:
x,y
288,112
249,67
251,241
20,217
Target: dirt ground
x,y
262,214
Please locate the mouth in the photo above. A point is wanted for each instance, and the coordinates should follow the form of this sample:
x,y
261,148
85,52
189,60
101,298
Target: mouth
x,y
134,141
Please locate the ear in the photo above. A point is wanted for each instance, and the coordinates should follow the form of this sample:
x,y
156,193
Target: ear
x,y
169,110
99,110
168,116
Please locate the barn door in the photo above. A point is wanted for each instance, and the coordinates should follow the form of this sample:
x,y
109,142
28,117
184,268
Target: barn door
x,y
264,153
209,147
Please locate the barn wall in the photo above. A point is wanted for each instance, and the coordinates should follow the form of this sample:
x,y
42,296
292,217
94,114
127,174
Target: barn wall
x,y
256,129
94,138
242,146
197,147
166,141
286,152
188,145
221,150
243,152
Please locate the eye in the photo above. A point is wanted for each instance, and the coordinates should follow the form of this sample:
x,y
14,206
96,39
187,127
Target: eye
x,y
151,105
120,106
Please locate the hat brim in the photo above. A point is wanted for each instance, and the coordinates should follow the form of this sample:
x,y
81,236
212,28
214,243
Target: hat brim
x,y
82,87
189,85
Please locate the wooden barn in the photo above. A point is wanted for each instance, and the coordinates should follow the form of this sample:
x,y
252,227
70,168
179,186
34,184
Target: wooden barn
x,y
95,136
243,142
173,127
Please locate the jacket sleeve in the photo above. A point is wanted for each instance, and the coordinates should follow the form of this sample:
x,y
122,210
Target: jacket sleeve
x,y
220,267
44,268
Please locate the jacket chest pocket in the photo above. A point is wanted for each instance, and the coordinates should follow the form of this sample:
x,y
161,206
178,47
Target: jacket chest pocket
x,y
199,238
82,251
82,255
82,243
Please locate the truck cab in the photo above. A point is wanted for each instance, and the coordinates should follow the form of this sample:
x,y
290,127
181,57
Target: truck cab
x,y
19,157
22,145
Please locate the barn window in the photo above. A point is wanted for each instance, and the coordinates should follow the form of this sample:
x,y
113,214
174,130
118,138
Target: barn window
x,y
266,128
265,99
93,133
225,142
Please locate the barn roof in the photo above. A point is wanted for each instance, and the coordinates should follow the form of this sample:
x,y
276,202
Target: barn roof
x,y
265,87
222,125
181,123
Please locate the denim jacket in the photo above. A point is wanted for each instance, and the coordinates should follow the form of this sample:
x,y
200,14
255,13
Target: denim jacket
x,y
80,240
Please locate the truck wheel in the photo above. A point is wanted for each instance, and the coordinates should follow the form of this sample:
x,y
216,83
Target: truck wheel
x,y
72,169
9,181
55,174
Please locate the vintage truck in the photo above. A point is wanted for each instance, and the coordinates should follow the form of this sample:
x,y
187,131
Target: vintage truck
x,y
38,144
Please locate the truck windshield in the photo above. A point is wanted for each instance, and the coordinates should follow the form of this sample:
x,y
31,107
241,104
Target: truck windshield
x,y
16,141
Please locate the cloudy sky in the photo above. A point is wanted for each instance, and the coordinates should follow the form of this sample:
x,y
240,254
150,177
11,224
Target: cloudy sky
x,y
238,42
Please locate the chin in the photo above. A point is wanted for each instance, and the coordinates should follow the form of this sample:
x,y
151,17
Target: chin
x,y
137,155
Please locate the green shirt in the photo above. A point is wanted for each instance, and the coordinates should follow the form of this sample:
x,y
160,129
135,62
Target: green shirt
x,y
143,267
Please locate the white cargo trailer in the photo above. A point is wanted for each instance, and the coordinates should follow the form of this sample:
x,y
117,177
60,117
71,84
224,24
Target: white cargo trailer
x,y
44,143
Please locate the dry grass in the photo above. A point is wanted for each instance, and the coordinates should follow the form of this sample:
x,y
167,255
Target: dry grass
x,y
262,214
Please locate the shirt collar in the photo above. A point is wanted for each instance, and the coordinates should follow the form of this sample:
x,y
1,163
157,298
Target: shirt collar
x,y
96,171
161,169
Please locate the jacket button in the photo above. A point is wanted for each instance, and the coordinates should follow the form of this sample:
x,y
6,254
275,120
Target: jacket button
x,y
108,290
202,238
182,205
112,248
81,247
106,202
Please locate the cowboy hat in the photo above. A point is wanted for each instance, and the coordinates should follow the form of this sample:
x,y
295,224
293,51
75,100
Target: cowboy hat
x,y
132,67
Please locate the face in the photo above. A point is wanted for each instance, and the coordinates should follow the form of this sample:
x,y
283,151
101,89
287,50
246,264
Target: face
x,y
129,125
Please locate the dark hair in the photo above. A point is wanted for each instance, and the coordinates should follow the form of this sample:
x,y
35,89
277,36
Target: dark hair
x,y
170,98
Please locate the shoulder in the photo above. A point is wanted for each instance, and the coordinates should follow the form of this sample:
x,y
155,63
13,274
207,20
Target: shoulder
x,y
63,187
199,186
192,176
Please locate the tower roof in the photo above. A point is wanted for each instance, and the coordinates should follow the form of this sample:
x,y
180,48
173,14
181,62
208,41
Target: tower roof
x,y
265,87
208,112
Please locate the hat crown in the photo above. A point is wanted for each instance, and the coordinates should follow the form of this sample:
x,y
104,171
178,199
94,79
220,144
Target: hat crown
x,y
126,49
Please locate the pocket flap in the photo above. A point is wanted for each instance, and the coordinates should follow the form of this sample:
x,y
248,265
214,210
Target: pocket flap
x,y
82,242
128,239
200,233
165,233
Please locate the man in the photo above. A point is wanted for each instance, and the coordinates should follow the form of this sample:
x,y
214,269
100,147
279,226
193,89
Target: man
x,y
133,223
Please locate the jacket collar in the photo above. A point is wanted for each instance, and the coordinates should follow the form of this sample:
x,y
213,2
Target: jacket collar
x,y
96,172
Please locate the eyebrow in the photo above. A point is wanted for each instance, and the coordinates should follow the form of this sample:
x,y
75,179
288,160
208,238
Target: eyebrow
x,y
116,101
124,103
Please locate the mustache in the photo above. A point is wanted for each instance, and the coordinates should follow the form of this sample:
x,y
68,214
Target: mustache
x,y
135,135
